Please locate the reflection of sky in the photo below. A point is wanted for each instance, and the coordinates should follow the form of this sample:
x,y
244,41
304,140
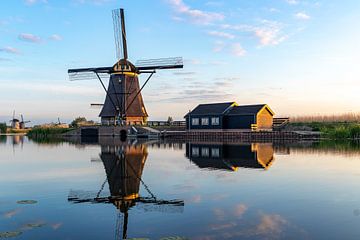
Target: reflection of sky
x,y
302,195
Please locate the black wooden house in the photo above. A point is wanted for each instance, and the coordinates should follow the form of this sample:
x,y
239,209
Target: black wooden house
x,y
230,115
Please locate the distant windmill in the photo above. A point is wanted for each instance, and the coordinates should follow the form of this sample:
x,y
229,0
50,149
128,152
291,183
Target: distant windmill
x,y
22,123
124,103
14,122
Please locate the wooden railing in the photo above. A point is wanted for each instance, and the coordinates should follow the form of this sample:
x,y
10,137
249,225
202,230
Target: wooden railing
x,y
166,123
279,123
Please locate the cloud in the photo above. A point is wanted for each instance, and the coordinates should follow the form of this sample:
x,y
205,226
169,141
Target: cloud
x,y
270,33
292,2
56,37
4,59
195,15
238,50
28,37
219,46
31,2
96,2
239,210
12,213
271,224
11,50
195,199
267,32
221,34
219,213
302,16
184,73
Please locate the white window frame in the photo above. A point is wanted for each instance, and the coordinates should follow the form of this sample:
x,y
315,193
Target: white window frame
x,y
215,152
205,121
195,121
195,151
205,152
215,121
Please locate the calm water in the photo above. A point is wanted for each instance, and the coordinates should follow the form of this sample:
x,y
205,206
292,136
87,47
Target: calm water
x,y
151,190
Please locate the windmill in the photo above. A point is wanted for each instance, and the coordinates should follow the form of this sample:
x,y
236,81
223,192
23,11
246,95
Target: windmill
x,y
124,166
14,122
22,123
124,104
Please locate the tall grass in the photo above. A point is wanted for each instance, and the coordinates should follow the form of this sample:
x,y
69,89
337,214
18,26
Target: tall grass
x,y
40,132
346,117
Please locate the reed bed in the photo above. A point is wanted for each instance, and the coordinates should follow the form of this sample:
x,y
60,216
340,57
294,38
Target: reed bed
x,y
346,117
40,132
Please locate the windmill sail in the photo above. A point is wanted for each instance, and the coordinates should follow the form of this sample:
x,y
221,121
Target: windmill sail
x,y
120,33
160,63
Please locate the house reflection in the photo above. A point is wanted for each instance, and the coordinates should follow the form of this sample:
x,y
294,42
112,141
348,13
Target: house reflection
x,y
230,157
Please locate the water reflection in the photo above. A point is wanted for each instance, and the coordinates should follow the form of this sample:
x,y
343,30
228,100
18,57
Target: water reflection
x,y
230,157
124,164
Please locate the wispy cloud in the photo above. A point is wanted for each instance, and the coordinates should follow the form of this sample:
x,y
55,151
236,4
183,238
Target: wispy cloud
x,y
266,31
239,210
28,37
292,2
184,73
196,16
238,50
221,34
56,37
4,59
302,16
219,46
11,50
31,2
95,2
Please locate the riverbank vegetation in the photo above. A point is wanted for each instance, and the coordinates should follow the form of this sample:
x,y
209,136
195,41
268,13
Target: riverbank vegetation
x,y
3,128
331,130
41,132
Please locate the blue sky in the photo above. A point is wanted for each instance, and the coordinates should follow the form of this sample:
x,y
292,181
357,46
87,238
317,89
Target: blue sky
x,y
299,56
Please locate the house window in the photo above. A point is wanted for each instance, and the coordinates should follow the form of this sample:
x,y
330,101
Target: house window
x,y
215,121
204,152
215,152
195,121
205,121
195,151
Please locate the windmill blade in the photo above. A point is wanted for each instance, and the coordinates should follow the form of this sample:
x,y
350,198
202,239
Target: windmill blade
x,y
120,33
89,73
147,204
160,63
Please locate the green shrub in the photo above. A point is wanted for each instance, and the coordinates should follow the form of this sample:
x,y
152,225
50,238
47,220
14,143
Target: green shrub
x,y
3,127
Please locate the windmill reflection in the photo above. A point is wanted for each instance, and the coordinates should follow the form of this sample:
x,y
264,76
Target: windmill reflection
x,y
230,157
124,164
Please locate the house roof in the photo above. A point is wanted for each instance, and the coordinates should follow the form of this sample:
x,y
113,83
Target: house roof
x,y
247,109
211,108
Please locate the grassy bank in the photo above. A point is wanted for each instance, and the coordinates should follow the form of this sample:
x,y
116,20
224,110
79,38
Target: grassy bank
x,y
47,132
333,130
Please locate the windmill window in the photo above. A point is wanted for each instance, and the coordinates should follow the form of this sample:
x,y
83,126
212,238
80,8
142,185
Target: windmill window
x,y
195,151
205,152
215,152
205,121
195,121
215,121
